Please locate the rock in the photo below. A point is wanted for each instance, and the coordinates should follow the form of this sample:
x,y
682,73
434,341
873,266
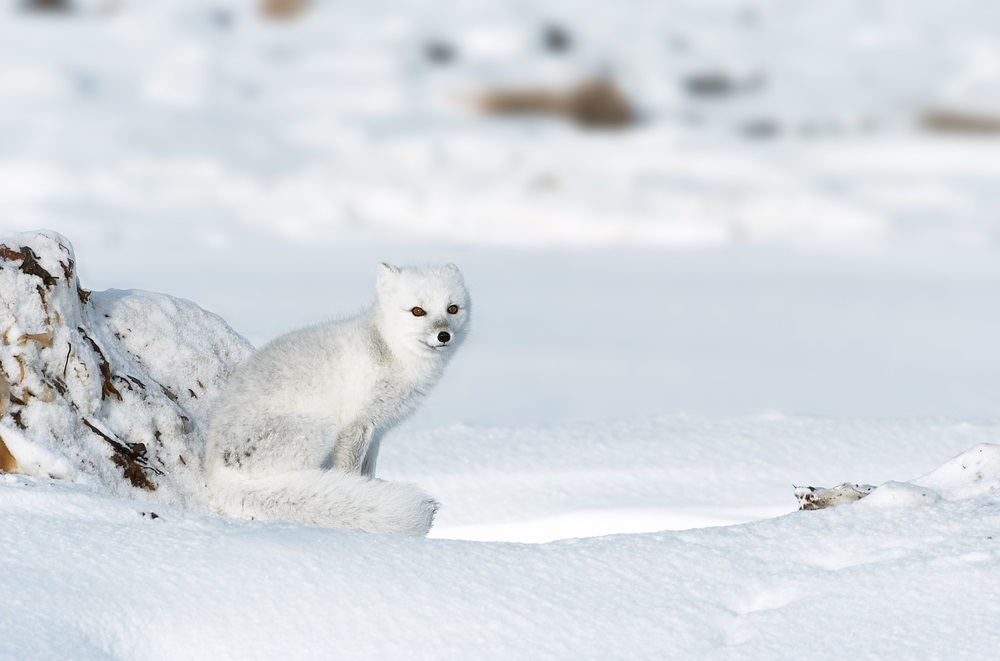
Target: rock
x,y
556,39
440,53
717,83
817,498
105,388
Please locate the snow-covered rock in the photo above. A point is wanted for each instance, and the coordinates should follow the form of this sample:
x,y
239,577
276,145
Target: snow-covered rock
x,y
105,388
817,498
972,473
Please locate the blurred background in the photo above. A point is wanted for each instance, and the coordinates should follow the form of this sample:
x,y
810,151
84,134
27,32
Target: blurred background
x,y
662,206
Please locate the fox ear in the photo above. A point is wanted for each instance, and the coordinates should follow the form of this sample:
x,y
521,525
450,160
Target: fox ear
x,y
385,276
453,270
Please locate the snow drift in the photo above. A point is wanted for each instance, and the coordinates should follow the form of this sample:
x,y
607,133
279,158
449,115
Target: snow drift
x,y
104,577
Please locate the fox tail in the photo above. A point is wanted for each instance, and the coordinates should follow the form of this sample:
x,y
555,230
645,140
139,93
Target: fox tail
x,y
326,498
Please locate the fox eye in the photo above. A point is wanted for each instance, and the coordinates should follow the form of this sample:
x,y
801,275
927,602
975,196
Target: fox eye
x,y
418,312
452,309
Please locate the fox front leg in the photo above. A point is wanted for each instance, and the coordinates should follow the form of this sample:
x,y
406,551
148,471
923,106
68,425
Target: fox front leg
x,y
371,457
351,448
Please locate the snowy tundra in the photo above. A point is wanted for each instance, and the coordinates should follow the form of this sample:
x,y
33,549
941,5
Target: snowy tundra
x,y
779,276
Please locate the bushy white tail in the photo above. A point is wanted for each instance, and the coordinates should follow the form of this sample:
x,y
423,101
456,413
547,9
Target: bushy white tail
x,y
326,498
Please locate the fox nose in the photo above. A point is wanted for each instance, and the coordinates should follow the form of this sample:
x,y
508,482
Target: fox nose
x,y
444,336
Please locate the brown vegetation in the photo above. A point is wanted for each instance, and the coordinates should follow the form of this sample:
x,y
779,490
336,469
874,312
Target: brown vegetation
x,y
47,5
7,462
283,10
957,121
593,103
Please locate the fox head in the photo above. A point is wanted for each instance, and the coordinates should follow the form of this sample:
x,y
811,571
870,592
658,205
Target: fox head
x,y
424,310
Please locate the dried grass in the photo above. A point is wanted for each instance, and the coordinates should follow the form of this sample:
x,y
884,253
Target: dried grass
x,y
8,464
283,10
957,121
596,103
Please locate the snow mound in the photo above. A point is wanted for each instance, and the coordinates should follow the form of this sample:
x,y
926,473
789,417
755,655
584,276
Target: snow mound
x,y
103,388
901,494
973,473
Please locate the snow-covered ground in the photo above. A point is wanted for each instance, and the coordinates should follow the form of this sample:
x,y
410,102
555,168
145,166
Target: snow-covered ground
x,y
786,283
898,574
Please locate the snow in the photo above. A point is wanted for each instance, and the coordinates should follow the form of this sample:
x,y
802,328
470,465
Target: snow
x,y
969,474
907,577
790,284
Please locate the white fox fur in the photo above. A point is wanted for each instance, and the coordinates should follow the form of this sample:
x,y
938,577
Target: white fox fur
x,y
296,432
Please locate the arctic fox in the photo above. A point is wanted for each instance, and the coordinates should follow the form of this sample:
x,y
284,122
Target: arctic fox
x,y
296,432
